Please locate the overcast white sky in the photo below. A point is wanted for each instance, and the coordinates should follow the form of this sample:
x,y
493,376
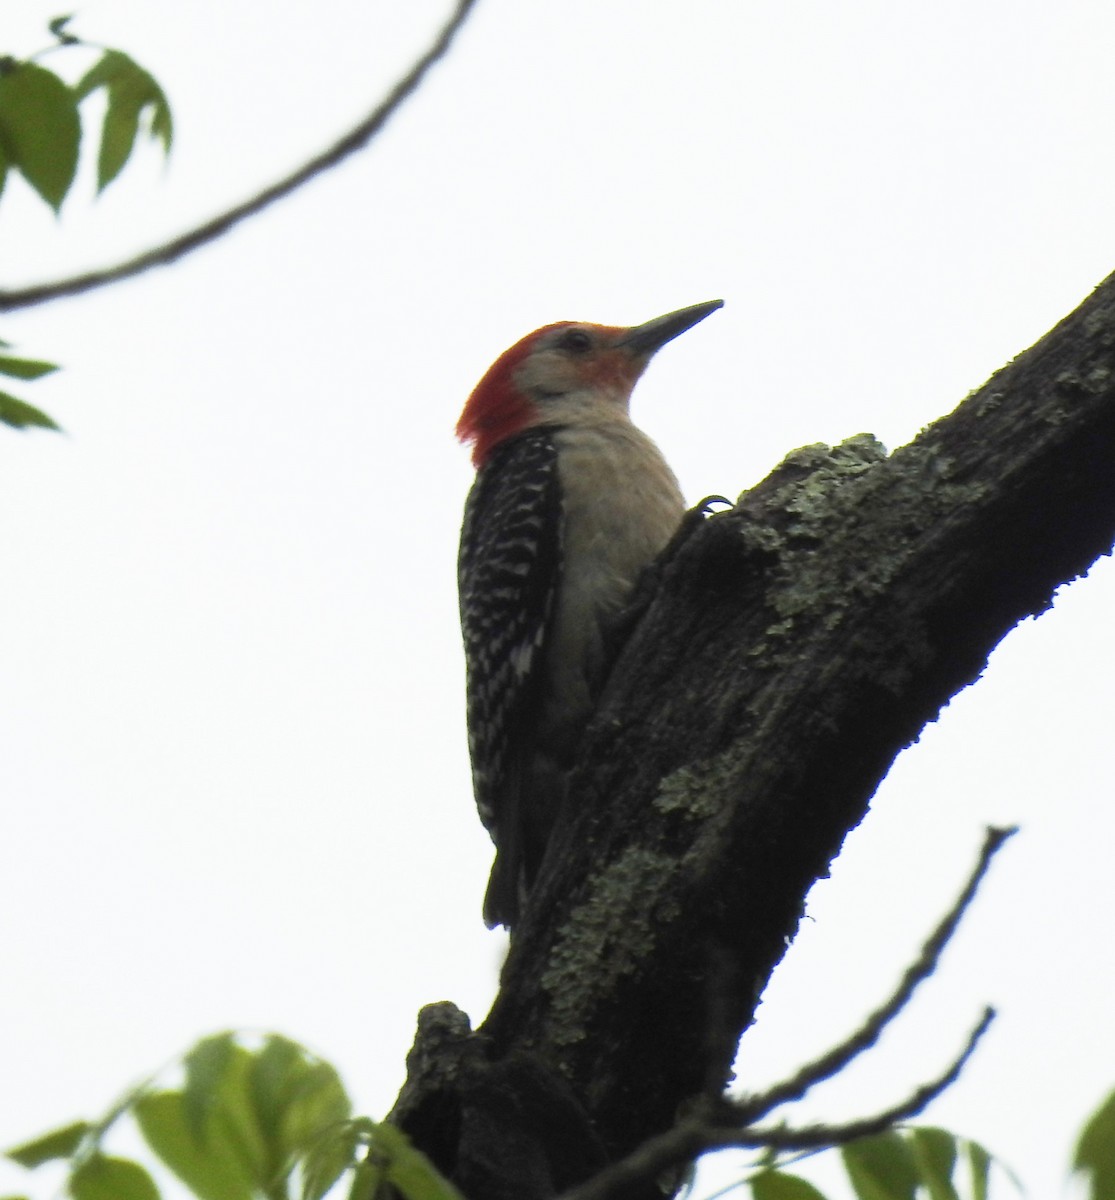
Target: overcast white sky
x,y
234,773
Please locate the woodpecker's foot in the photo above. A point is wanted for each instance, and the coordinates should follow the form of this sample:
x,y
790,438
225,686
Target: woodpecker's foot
x,y
690,523
694,517
703,506
647,587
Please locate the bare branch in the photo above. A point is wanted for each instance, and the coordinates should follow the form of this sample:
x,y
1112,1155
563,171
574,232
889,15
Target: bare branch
x,y
171,251
837,1135
836,1059
695,1136
679,1145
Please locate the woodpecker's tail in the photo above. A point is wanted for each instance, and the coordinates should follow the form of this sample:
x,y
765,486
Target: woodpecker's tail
x,y
501,900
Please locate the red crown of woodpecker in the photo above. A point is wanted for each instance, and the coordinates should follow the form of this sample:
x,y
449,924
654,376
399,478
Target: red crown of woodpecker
x,y
497,408
612,361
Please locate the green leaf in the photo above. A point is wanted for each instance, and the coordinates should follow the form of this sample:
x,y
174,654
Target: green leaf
x,y
1095,1151
979,1167
777,1185
110,65
131,92
205,1064
40,130
407,1169
225,1165
367,1180
103,1178
881,1167
25,368
20,415
295,1095
118,134
328,1158
935,1153
162,123
274,1078
244,1120
59,1143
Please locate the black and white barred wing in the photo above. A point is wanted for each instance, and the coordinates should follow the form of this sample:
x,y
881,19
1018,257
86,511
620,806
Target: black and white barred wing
x,y
508,574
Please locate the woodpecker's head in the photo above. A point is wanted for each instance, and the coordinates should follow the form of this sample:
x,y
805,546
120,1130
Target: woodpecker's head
x,y
567,373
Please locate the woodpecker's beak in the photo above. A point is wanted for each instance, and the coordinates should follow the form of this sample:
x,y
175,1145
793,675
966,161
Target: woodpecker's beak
x,y
644,340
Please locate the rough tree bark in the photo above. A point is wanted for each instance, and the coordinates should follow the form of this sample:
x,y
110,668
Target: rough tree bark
x,y
796,644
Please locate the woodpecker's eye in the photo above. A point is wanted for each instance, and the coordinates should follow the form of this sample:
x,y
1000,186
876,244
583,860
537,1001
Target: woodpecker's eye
x,y
576,341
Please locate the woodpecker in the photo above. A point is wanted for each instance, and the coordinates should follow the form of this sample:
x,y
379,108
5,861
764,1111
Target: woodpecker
x,y
570,504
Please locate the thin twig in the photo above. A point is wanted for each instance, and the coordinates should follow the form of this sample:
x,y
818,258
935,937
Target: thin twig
x,y
838,1135
171,251
836,1059
693,1137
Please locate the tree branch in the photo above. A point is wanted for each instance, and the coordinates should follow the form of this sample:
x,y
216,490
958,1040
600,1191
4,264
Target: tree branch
x,y
186,243
692,1138
751,1108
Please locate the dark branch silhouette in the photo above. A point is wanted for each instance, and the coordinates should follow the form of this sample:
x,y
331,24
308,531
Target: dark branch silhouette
x,y
751,1108
686,1141
216,227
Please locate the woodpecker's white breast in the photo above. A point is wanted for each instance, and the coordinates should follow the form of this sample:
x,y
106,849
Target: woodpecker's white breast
x,y
621,504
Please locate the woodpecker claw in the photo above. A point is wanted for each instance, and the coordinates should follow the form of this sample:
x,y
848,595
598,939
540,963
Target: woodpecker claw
x,y
704,506
693,518
651,578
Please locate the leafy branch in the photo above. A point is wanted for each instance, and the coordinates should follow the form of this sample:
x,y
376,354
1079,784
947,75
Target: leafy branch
x,y
13,411
355,139
40,117
40,139
270,1123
